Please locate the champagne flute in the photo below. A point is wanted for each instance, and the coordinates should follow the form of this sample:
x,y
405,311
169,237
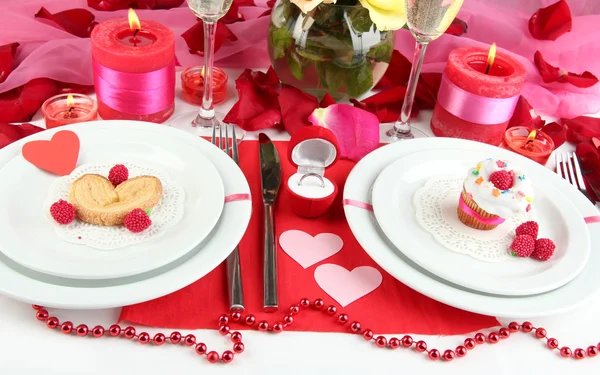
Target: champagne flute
x,y
427,20
201,122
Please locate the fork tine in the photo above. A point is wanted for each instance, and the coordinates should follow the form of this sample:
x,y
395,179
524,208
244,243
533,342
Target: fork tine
x,y
213,138
578,175
570,170
226,139
234,146
220,137
559,169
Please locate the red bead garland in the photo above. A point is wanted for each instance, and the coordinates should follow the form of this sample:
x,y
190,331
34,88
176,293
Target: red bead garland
x,y
380,341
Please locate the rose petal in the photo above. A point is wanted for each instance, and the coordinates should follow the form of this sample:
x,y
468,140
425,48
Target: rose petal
x,y
78,22
233,15
525,115
427,90
7,54
589,158
158,4
295,106
249,3
356,130
21,103
397,72
458,27
551,73
386,104
194,36
110,5
10,133
327,101
557,132
582,128
551,22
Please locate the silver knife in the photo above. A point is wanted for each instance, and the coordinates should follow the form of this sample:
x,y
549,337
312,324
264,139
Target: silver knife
x,y
270,173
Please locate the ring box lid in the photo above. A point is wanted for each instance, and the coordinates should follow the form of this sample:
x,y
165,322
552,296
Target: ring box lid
x,y
313,149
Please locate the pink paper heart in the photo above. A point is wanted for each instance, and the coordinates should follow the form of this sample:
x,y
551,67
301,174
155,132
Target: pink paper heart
x,y
347,286
308,250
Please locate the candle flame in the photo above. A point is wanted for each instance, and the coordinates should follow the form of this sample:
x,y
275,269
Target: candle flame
x,y
134,21
531,135
70,101
491,57
202,73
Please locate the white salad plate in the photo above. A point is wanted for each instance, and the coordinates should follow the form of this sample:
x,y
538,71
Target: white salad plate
x,y
27,285
28,235
368,233
559,220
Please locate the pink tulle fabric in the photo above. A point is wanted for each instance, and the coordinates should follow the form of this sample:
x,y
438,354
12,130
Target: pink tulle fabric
x,y
47,51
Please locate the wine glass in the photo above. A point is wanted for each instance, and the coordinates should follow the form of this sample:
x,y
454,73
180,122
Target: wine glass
x,y
427,20
202,122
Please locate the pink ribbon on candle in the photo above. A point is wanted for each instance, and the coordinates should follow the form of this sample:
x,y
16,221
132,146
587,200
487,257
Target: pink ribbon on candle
x,y
484,220
474,108
135,93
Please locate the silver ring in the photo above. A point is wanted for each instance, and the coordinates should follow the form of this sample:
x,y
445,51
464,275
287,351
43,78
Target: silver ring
x,y
312,175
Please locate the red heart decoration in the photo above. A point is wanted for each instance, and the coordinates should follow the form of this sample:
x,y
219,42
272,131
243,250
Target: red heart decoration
x,y
58,155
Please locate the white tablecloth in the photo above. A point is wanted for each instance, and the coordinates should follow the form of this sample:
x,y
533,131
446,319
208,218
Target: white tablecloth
x,y
28,347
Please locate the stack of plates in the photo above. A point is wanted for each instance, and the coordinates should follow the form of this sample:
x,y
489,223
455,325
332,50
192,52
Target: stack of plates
x,y
36,266
517,288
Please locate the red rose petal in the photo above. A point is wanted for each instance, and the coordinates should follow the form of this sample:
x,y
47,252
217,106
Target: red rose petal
x,y
233,15
21,103
158,4
194,36
427,90
557,132
248,3
582,128
110,5
589,158
397,72
7,54
551,73
551,22
525,115
78,22
10,133
295,106
327,101
458,27
387,104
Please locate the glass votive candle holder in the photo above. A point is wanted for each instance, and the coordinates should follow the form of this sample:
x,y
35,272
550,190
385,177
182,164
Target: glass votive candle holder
x,y
67,109
533,144
192,85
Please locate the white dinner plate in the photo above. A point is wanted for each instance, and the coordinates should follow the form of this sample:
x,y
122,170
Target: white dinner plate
x,y
394,208
364,226
29,286
25,207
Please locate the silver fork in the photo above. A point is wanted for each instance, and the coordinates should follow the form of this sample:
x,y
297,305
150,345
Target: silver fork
x,y
567,166
234,269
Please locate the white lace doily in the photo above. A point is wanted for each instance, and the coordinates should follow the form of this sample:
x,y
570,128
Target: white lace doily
x,y
436,204
167,213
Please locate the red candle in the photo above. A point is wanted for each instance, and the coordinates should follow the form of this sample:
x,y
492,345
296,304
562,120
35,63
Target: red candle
x,y
478,94
134,70
532,144
192,85
66,109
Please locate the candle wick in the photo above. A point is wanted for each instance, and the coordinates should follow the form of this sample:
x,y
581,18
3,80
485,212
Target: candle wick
x,y
135,33
487,68
71,109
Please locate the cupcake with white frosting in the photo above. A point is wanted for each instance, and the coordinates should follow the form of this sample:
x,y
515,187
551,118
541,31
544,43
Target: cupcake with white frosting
x,y
492,192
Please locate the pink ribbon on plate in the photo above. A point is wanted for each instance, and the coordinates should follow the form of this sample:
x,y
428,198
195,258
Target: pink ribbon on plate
x,y
238,197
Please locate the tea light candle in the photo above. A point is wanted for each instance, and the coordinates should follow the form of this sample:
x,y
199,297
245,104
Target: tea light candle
x,y
66,109
134,69
533,144
478,94
192,85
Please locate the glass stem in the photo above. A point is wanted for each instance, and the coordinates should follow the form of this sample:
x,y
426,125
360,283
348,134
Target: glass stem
x,y
403,123
207,110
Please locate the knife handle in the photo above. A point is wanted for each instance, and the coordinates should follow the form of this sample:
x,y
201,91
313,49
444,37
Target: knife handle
x,y
270,298
234,281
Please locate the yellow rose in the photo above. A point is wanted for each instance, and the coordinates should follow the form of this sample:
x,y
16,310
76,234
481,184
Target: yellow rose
x,y
386,14
308,5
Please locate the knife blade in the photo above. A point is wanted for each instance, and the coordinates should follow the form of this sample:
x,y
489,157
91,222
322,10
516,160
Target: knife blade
x,y
270,178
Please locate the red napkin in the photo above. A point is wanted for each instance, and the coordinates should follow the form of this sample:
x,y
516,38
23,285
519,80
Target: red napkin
x,y
392,307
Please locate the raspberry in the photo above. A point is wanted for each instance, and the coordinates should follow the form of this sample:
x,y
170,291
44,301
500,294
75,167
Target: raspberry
x,y
137,221
529,228
62,211
118,174
544,248
523,246
501,180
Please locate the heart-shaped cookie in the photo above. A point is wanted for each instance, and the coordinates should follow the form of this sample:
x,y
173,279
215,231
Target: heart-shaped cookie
x,y
97,201
58,155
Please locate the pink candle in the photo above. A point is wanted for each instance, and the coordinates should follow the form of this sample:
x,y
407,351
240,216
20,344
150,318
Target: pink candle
x,y
67,109
134,71
473,104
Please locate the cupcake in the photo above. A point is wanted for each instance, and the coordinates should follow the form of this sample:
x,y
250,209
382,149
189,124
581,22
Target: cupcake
x,y
492,192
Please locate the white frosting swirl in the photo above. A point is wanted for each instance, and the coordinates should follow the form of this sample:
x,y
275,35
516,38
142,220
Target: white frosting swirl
x,y
517,199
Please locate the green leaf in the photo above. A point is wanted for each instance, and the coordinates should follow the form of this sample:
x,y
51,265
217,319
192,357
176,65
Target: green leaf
x,y
312,54
359,79
295,65
360,20
335,77
322,73
281,40
381,52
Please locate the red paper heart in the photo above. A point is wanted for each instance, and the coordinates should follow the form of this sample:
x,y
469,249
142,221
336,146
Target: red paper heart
x,y
58,155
